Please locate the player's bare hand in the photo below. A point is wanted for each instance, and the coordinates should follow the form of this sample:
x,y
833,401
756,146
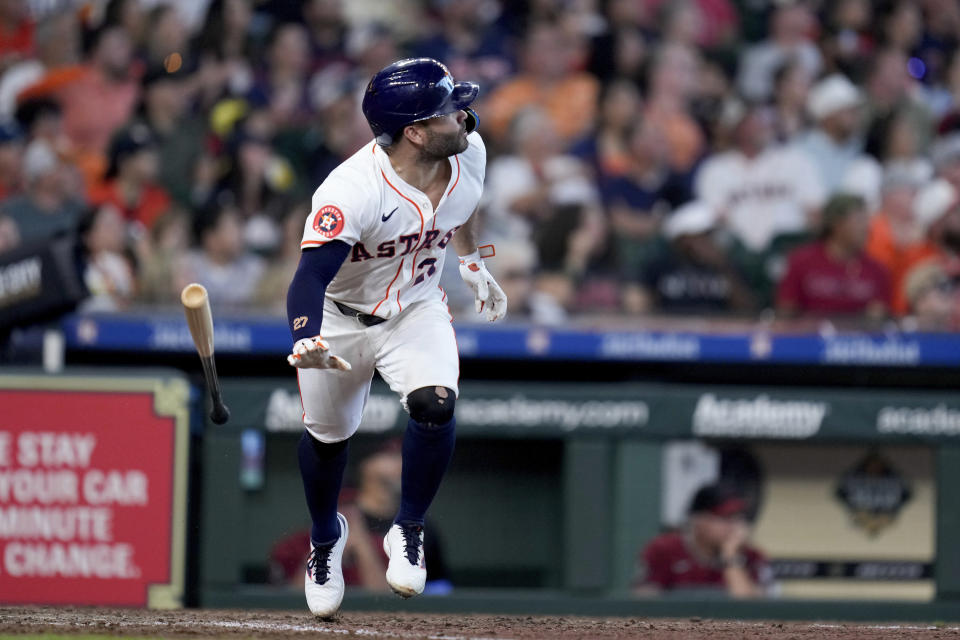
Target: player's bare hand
x,y
314,353
489,297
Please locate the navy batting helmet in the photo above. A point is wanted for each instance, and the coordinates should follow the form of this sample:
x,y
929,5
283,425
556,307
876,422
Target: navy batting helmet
x,y
412,90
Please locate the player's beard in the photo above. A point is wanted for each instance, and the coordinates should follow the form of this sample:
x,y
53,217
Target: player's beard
x,y
439,146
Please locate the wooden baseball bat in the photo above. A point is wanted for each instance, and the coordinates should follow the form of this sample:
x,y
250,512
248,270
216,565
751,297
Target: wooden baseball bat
x,y
196,306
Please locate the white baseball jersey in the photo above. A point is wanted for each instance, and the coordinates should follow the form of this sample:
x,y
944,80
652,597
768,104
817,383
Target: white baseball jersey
x,y
763,196
398,239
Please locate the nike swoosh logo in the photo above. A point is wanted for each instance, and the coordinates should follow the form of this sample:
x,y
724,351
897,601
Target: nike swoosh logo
x,y
386,216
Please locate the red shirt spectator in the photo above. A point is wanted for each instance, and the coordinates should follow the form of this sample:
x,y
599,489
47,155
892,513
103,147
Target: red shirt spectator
x,y
101,99
712,551
16,31
673,564
835,276
817,283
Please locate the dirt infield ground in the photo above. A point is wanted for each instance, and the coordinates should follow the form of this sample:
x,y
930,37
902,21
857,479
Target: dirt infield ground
x,y
72,621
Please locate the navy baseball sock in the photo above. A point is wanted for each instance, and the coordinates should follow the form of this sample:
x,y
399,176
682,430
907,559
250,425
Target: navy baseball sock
x,y
321,467
426,454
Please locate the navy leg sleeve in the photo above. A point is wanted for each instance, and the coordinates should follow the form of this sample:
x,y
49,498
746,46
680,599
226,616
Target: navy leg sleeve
x,y
426,454
321,468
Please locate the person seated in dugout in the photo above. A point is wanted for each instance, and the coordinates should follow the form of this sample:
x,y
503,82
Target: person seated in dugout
x,y
712,551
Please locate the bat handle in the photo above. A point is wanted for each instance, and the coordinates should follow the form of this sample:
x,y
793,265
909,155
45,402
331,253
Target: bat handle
x,y
219,414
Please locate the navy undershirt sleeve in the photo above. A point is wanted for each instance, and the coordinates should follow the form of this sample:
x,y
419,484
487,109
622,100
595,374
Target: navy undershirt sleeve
x,y
305,296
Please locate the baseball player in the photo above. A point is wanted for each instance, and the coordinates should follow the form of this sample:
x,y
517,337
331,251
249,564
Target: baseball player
x,y
372,252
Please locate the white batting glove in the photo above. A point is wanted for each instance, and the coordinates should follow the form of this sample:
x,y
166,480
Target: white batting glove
x,y
314,353
490,298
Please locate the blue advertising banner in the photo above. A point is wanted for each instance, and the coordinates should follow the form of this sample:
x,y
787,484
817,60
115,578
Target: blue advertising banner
x,y
269,336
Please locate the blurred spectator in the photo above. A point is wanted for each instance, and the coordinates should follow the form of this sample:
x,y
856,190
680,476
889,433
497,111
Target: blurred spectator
x,y
891,89
128,14
834,276
714,82
282,85
47,205
130,183
637,199
849,39
943,237
896,238
272,289
940,29
370,47
166,36
945,155
621,50
257,178
792,27
606,150
160,253
16,32
230,273
546,80
902,26
179,135
468,42
712,552
544,197
57,50
11,159
893,141
225,50
672,85
791,84
834,144
933,298
702,23
692,274
9,236
328,31
761,189
107,274
514,269
943,99
102,99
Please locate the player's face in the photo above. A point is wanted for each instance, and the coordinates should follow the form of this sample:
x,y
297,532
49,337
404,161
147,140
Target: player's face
x,y
445,136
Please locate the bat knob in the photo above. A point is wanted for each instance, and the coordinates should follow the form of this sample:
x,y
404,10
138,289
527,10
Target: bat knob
x,y
220,413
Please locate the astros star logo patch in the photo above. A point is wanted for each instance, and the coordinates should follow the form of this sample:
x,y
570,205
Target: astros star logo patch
x,y
328,221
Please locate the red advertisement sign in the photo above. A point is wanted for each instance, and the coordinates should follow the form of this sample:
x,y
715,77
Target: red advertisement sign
x,y
89,497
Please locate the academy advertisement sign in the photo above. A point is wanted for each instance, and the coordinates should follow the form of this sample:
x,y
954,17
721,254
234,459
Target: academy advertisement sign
x,y
757,417
645,410
92,491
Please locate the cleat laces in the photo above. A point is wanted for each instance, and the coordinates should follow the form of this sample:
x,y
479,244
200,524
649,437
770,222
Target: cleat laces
x,y
319,563
411,542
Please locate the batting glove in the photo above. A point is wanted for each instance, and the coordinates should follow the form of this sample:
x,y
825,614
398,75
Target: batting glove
x,y
314,353
489,296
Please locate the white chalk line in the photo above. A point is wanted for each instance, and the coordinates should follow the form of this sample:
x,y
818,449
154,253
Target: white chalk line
x,y
884,627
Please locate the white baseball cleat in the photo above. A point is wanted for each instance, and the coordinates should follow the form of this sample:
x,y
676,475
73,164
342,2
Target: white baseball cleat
x,y
407,570
323,582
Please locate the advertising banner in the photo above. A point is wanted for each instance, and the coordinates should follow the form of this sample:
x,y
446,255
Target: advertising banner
x,y
93,490
662,411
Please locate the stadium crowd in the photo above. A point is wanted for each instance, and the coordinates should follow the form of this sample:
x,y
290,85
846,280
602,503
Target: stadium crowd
x,y
645,156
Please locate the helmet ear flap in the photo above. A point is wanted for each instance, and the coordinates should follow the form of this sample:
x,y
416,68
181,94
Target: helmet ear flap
x,y
473,120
